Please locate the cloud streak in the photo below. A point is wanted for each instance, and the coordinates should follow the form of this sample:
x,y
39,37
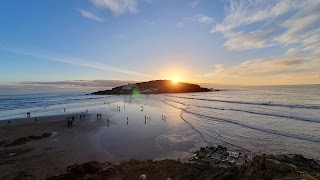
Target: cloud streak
x,y
90,15
118,7
200,18
286,69
80,62
60,86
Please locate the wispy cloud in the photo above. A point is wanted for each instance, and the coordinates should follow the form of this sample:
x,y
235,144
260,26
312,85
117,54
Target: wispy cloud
x,y
199,18
60,86
285,69
118,7
77,61
194,3
252,24
272,22
90,15
204,19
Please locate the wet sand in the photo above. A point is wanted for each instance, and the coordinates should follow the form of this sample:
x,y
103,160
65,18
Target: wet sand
x,y
112,138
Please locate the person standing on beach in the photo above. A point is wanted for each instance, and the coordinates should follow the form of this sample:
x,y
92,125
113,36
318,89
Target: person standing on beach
x,y
72,120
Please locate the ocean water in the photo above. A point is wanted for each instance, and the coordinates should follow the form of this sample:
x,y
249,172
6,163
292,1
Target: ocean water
x,y
275,119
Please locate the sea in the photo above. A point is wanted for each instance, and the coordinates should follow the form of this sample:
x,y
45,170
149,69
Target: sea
x,y
268,119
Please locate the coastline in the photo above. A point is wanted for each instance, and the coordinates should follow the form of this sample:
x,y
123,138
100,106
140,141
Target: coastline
x,y
117,140
89,139
58,156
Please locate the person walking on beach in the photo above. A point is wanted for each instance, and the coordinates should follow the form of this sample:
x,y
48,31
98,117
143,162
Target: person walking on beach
x,y
28,114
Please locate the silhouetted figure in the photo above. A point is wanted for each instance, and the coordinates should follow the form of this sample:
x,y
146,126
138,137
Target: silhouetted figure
x,y
9,122
35,119
64,109
127,118
71,122
145,121
80,116
28,114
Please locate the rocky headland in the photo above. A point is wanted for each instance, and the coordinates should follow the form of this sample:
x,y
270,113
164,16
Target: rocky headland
x,y
154,87
214,162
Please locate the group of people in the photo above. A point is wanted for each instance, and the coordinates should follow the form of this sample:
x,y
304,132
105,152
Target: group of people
x,y
99,115
70,121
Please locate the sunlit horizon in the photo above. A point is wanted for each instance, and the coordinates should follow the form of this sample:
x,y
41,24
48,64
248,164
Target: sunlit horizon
x,y
236,43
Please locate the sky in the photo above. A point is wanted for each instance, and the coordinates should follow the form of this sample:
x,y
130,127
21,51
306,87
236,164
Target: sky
x,y
227,42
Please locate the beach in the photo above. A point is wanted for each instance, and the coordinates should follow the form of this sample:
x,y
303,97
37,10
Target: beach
x,y
155,127
110,138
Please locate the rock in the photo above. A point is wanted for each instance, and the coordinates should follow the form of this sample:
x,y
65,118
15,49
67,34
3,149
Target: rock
x,y
92,167
18,141
24,140
44,135
201,154
310,162
234,154
214,160
222,152
3,142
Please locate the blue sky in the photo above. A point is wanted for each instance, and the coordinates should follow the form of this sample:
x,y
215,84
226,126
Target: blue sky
x,y
251,42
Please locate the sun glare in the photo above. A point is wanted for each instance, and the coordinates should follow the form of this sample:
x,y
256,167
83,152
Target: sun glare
x,y
175,79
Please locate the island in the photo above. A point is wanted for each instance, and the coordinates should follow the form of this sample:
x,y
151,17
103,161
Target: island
x,y
154,87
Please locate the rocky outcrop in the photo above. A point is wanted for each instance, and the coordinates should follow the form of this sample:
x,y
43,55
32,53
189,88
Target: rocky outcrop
x,y
214,162
24,140
218,156
154,87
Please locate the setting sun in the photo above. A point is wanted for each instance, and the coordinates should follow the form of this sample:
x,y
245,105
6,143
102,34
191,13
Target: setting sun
x,y
175,79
